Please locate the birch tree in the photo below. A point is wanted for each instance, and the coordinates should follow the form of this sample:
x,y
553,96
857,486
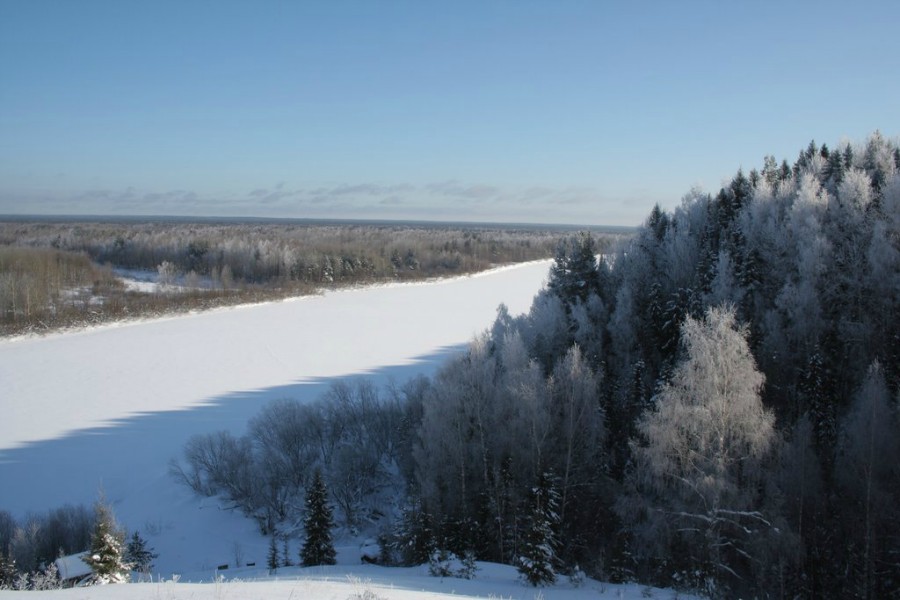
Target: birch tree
x,y
699,464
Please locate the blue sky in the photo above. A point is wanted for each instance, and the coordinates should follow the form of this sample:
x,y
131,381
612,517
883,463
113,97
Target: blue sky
x,y
557,112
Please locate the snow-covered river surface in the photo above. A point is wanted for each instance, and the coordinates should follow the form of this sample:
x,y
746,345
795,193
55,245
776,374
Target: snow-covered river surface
x,y
108,408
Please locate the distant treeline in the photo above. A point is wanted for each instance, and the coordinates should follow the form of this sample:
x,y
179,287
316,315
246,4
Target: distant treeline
x,y
57,273
35,541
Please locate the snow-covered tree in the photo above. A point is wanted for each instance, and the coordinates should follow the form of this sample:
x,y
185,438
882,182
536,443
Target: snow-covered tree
x,y
699,467
106,556
538,561
318,547
46,579
7,571
577,443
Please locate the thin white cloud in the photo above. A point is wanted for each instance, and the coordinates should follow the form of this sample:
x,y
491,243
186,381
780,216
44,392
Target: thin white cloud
x,y
448,200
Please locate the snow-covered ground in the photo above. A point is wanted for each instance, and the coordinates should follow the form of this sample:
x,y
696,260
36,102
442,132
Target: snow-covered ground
x,y
359,582
148,282
108,408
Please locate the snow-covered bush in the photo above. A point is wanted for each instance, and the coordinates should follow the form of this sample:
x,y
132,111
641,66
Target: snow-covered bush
x,y
576,577
444,563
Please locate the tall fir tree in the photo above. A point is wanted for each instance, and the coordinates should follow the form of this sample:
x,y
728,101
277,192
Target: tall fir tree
x,y
107,554
318,547
538,561
272,556
414,535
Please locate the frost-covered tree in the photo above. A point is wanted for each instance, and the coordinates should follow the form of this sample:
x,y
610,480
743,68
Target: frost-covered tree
x,y
46,579
106,556
576,445
699,465
7,571
318,547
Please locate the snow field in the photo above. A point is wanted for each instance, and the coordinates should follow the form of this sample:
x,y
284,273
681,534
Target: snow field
x,y
109,407
363,582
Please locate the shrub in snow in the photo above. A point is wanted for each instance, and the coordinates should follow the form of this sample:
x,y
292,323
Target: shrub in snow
x,y
576,577
467,566
440,563
48,579
444,563
362,590
21,582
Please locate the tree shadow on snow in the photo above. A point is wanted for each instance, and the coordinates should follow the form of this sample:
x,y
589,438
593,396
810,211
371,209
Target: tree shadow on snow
x,y
130,455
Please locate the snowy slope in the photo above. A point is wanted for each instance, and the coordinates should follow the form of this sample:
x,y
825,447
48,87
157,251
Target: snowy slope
x,y
109,407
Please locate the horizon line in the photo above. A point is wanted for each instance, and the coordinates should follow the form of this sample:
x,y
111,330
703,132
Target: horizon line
x,y
218,219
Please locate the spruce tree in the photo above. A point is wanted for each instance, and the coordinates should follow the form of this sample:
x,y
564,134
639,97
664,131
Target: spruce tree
x,y
414,535
272,557
538,561
573,275
138,555
318,548
106,556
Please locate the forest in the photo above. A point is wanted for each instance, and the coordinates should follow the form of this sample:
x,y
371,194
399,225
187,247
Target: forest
x,y
57,273
713,406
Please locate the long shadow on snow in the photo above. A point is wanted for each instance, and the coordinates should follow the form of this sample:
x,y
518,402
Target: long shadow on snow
x,y
132,453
